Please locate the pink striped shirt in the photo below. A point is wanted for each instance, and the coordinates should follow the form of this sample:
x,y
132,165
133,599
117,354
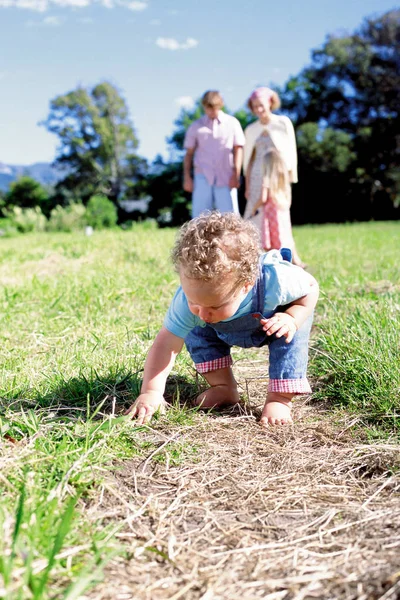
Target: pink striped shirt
x,y
213,140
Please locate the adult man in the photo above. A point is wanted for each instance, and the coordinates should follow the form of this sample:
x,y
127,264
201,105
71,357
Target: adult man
x,y
215,144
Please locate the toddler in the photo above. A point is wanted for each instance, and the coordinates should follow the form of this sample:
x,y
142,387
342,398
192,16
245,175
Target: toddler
x,y
231,295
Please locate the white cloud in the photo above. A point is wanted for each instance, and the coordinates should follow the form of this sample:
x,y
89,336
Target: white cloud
x,y
191,43
37,5
44,5
185,102
173,44
167,43
52,21
136,5
72,3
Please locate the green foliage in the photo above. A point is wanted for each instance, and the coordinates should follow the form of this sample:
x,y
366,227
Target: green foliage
x,y
97,141
26,220
101,212
42,523
351,87
327,150
69,218
359,349
26,193
165,189
21,544
7,227
245,117
355,352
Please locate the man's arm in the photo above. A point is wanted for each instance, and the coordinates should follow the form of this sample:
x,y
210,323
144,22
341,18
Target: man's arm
x,y
158,365
187,170
237,166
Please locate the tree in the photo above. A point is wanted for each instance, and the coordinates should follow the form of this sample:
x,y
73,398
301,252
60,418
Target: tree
x,y
165,189
97,142
325,158
353,86
26,192
185,118
245,117
165,178
2,199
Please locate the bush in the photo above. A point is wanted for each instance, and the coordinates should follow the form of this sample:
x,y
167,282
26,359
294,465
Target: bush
x,y
101,212
26,219
67,219
7,228
26,192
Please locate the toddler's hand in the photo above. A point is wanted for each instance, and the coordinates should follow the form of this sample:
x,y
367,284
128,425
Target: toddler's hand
x,y
146,405
282,324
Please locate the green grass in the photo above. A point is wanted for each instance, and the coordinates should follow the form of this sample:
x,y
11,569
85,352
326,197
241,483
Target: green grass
x,y
78,316
356,354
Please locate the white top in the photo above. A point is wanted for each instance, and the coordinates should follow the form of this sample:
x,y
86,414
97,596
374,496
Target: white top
x,y
281,130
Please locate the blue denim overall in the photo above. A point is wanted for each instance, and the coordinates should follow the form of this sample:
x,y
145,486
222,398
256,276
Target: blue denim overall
x,y
286,361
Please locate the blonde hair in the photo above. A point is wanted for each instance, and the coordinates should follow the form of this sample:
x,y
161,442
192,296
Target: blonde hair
x,y
275,101
277,179
214,245
212,99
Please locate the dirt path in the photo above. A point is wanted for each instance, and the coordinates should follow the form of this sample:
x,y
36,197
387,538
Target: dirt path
x,y
308,511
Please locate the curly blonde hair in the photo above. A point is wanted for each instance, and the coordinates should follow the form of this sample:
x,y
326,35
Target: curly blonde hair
x,y
214,245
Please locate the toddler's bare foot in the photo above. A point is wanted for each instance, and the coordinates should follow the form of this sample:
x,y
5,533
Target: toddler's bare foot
x,y
277,410
218,396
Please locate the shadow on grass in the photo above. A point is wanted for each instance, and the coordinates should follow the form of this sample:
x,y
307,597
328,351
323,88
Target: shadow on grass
x,y
98,396
104,394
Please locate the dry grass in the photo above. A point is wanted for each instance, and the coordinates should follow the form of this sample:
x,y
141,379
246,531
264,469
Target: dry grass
x,y
307,511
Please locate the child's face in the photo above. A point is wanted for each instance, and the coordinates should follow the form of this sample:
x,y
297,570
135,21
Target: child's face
x,y
210,302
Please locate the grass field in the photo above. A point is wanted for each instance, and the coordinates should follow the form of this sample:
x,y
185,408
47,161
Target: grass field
x,y
78,316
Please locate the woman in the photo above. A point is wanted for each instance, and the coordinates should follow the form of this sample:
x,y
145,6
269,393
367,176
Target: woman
x,y
270,167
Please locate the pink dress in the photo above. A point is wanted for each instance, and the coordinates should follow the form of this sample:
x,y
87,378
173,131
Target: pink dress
x,y
273,217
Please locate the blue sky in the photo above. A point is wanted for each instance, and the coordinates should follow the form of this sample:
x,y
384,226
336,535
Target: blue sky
x,y
161,54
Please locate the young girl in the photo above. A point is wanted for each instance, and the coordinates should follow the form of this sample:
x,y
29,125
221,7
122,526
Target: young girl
x,y
230,295
270,154
275,195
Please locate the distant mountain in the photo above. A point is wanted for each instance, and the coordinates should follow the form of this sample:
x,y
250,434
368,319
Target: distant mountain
x,y
42,172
